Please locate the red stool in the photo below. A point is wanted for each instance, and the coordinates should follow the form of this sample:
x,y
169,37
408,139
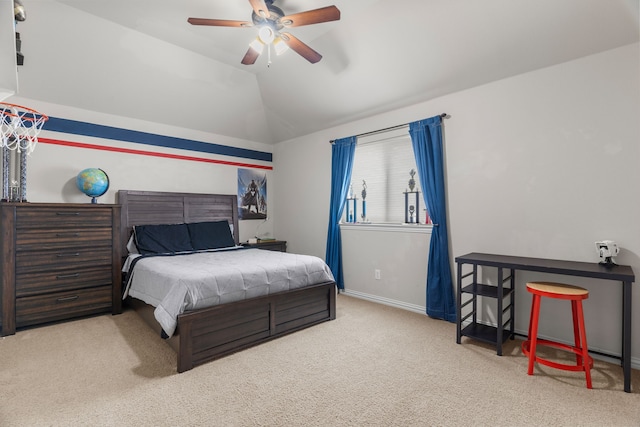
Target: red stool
x,y
575,294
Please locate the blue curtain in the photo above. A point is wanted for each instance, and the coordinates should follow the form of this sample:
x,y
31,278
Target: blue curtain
x,y
426,137
341,165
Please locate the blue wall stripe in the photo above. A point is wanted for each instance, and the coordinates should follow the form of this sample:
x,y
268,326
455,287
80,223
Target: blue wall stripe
x,y
56,124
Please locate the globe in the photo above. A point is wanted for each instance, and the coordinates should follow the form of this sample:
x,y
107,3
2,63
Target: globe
x,y
93,182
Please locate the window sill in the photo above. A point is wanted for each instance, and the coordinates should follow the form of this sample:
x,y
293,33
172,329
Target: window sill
x,y
395,228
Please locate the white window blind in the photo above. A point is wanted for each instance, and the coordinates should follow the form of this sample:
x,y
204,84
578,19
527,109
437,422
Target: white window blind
x,y
384,162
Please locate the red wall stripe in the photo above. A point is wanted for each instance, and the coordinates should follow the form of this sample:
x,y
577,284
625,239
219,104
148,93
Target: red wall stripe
x,y
148,153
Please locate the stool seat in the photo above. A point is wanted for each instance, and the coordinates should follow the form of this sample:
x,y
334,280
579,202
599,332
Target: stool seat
x,y
558,290
575,294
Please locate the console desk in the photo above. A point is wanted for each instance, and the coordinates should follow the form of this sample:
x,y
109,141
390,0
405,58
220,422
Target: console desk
x,y
619,273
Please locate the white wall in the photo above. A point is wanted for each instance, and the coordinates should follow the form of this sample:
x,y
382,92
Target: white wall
x,y
542,164
52,169
8,63
399,253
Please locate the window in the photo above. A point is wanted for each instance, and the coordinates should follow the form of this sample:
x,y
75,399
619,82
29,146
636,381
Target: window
x,y
384,162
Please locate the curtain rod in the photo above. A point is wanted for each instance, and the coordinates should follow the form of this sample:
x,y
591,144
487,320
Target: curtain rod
x,y
373,132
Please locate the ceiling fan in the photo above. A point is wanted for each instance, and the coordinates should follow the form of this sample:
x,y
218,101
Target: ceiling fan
x,y
272,24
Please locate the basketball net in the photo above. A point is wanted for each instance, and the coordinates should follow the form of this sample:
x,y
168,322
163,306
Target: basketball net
x,y
19,127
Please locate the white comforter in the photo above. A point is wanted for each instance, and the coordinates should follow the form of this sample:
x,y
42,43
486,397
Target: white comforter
x,y
175,284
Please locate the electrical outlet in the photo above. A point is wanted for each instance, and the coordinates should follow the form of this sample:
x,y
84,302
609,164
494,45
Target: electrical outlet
x,y
376,274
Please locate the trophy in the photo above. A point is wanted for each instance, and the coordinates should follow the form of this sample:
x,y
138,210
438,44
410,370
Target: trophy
x,y
412,181
352,208
414,207
364,202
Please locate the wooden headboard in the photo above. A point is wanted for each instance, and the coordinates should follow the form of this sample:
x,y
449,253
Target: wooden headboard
x,y
152,207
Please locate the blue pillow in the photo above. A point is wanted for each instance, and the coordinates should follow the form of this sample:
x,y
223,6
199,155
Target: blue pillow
x,y
210,235
163,238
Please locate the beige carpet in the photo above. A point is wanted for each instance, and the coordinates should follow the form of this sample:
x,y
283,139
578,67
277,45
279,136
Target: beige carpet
x,y
372,366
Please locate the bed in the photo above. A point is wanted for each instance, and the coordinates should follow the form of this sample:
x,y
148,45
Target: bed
x,y
206,334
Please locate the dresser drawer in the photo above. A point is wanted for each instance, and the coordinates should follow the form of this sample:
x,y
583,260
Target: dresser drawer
x,y
49,281
53,217
62,305
38,239
63,259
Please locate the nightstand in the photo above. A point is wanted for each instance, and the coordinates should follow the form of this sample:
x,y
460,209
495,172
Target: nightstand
x,y
270,245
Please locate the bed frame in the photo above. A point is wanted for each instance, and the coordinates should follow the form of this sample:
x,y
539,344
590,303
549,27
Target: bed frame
x,y
211,333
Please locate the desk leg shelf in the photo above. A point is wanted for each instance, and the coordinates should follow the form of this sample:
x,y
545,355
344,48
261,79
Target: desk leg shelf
x,y
485,333
495,335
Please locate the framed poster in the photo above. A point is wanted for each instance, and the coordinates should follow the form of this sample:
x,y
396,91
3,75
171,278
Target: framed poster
x,y
252,194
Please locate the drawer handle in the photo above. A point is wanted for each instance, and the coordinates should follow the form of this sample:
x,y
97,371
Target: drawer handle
x,y
68,213
64,255
71,298
66,276
67,234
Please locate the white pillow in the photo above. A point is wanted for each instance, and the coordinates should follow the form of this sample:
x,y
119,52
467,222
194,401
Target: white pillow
x,y
131,245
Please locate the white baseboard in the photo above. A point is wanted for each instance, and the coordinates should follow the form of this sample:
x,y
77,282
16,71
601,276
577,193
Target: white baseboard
x,y
386,301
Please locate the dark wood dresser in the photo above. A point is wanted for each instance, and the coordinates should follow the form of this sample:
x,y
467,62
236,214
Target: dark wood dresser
x,y
58,261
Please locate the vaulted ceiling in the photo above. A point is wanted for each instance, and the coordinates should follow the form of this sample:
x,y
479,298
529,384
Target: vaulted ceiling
x,y
141,59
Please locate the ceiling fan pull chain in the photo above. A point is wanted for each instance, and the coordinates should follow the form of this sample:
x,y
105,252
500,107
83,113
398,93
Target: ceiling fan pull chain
x,y
269,55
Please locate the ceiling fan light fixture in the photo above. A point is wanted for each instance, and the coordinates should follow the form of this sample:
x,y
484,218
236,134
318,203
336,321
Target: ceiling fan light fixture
x,y
266,34
280,46
257,45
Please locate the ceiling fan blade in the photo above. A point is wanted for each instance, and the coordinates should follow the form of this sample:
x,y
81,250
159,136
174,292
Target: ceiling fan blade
x,y
260,8
316,16
250,57
219,22
300,48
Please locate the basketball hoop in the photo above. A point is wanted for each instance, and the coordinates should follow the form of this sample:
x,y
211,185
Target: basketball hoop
x,y
19,127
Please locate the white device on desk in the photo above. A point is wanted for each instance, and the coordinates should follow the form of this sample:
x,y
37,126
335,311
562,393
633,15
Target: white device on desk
x,y
607,249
